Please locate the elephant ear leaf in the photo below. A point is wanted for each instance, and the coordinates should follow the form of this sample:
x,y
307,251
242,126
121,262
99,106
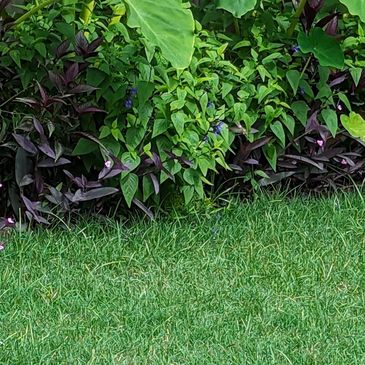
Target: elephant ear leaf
x,y
356,7
167,24
237,8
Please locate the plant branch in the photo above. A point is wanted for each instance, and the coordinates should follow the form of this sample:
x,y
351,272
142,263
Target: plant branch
x,y
296,17
33,11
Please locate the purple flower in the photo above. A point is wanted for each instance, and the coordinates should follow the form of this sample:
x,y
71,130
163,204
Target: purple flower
x,y
128,103
133,91
2,246
343,162
1,185
320,142
339,107
217,129
296,48
108,164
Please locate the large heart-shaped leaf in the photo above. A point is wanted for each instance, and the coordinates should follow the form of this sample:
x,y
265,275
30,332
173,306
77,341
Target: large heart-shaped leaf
x,y
168,25
325,48
354,124
237,7
356,7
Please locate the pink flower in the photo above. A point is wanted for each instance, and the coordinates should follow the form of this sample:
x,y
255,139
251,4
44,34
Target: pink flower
x,y
2,247
1,185
108,164
10,221
339,107
343,162
320,142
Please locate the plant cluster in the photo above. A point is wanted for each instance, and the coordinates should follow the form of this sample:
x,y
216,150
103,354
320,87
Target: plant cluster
x,y
104,105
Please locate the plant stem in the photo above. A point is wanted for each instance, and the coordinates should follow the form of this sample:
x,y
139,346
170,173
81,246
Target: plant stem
x,y
296,17
31,12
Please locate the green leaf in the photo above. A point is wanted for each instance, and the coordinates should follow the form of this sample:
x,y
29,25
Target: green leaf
x,y
237,7
345,100
356,7
354,124
289,123
271,155
159,126
330,118
188,192
279,132
148,188
84,147
293,77
179,120
300,109
131,160
325,48
145,91
356,74
129,186
166,24
134,136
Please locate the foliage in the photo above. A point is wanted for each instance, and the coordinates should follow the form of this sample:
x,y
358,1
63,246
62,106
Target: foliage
x,y
120,98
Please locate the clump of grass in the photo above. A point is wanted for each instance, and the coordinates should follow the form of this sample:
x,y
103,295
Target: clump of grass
x,y
270,282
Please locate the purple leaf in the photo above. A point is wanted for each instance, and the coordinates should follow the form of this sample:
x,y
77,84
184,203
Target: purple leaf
x,y
62,49
79,89
47,150
48,162
26,144
98,193
71,73
156,184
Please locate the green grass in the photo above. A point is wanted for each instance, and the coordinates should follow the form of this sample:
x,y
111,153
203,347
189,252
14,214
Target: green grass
x,y
270,282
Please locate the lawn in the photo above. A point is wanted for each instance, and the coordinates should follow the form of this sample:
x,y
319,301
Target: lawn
x,y
269,282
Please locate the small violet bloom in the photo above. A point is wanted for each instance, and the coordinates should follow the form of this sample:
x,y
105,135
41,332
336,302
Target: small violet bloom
x,y
2,247
128,103
296,48
217,129
108,164
133,91
320,142
339,107
343,162
1,185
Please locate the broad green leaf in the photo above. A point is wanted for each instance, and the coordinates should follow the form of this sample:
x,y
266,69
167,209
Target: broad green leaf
x,y
279,132
289,123
84,146
293,77
145,91
179,120
356,7
129,186
271,155
237,7
354,124
325,48
160,126
330,118
188,192
300,109
356,74
166,24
